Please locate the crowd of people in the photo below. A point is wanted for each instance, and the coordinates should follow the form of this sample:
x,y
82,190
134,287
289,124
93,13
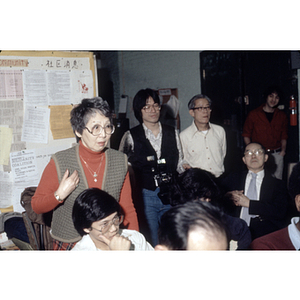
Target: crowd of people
x,y
167,191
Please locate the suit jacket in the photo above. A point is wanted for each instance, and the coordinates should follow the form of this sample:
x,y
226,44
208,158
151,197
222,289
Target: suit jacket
x,y
271,208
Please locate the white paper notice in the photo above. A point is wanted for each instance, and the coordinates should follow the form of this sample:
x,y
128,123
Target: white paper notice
x,y
24,168
59,87
11,114
11,84
82,85
5,144
6,188
36,124
35,87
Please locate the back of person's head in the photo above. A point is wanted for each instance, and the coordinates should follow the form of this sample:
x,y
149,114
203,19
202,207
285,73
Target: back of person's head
x,y
195,225
140,99
191,103
194,184
88,107
92,205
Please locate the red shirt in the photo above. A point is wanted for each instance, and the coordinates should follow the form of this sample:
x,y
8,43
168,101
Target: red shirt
x,y
258,128
277,240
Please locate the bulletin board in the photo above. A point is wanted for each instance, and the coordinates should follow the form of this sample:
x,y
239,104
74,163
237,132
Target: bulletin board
x,y
38,89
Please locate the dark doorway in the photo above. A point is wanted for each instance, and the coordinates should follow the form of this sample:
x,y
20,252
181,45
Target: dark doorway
x,y
235,81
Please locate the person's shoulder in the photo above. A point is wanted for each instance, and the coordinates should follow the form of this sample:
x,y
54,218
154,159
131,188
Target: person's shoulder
x,y
138,127
85,243
271,177
129,232
115,152
133,234
186,130
216,127
281,112
256,111
276,240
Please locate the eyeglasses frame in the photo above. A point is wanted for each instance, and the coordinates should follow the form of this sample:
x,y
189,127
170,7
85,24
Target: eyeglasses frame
x,y
109,224
256,152
102,128
202,108
148,107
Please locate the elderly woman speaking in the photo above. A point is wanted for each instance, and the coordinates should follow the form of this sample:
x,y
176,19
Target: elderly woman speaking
x,y
88,164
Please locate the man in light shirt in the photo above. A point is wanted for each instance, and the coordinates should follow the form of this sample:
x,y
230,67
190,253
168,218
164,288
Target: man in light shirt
x,y
203,143
287,238
266,211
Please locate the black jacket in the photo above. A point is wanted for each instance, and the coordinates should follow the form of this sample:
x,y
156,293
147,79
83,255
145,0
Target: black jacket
x,y
145,161
271,207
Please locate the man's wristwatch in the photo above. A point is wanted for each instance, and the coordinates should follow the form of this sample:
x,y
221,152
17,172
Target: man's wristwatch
x,y
57,198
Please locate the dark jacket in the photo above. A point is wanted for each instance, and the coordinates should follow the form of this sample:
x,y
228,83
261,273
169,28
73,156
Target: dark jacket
x,y
145,161
271,207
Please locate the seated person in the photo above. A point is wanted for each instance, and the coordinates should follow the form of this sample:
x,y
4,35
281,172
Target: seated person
x,y
195,225
97,217
255,195
287,238
198,184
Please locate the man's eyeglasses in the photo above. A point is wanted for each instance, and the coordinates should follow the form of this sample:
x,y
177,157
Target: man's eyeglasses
x,y
256,152
117,220
97,129
155,106
202,108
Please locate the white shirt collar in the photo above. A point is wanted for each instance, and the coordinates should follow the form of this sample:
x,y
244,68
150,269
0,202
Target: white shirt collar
x,y
294,233
260,174
195,129
148,131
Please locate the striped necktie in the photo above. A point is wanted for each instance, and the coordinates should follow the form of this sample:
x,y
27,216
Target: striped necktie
x,y
252,195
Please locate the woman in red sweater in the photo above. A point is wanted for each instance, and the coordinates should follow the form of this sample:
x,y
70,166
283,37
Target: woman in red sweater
x,y
90,163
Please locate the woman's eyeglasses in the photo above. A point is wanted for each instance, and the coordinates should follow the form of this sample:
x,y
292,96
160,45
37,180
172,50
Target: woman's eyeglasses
x,y
97,129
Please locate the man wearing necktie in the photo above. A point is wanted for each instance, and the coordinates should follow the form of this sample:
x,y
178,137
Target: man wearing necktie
x,y
257,197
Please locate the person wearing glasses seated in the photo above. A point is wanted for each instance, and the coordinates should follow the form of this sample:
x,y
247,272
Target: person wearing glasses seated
x,y
255,195
199,185
97,218
90,163
203,143
154,152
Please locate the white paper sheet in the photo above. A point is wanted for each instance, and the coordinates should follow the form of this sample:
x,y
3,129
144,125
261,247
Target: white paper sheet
x,y
6,188
35,87
11,115
36,124
82,85
24,168
59,87
11,84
